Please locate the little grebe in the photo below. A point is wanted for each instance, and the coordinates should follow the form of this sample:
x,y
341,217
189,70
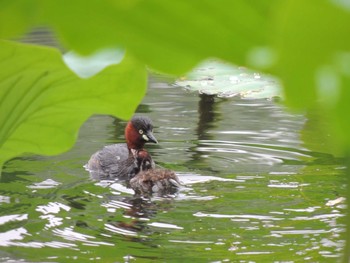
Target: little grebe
x,y
119,161
150,180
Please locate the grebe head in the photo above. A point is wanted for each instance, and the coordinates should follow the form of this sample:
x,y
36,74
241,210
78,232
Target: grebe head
x,y
138,131
144,161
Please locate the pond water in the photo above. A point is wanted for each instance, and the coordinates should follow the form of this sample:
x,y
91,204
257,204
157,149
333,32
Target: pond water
x,y
254,191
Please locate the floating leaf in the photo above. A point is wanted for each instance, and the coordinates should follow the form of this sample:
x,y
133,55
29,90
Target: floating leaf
x,y
43,104
224,80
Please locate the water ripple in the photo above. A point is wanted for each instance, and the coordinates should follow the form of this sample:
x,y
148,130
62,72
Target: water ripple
x,y
164,225
258,217
120,231
68,234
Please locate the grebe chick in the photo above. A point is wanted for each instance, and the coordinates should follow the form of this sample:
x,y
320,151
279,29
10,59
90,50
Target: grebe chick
x,y
150,180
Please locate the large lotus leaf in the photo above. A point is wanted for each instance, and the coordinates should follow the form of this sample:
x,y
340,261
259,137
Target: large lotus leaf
x,y
224,80
43,103
170,36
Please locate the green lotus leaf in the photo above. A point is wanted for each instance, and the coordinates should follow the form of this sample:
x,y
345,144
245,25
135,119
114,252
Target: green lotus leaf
x,y
225,80
43,103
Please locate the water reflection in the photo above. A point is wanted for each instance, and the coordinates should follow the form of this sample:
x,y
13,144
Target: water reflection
x,y
207,116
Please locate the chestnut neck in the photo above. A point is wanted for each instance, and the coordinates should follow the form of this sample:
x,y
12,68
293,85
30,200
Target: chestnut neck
x,y
132,136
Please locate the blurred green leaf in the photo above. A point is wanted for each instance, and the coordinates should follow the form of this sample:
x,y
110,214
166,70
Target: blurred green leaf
x,y
43,104
16,17
168,36
308,34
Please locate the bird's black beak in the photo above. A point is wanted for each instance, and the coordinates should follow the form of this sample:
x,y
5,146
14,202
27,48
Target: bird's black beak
x,y
149,137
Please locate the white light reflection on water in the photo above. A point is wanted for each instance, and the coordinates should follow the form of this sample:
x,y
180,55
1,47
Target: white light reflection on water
x,y
113,205
53,221
121,231
188,197
11,237
14,234
48,211
69,234
164,225
191,241
254,253
258,217
336,201
9,218
245,147
191,178
4,199
46,184
117,204
278,184
306,231
308,209
121,188
52,207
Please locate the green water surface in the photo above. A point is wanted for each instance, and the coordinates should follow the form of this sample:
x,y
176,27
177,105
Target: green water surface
x,y
254,190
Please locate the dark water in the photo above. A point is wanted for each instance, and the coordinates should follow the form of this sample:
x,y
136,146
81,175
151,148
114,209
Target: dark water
x,y
255,192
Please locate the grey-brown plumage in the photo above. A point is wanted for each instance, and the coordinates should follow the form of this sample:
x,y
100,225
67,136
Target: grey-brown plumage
x,y
113,161
119,161
159,181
